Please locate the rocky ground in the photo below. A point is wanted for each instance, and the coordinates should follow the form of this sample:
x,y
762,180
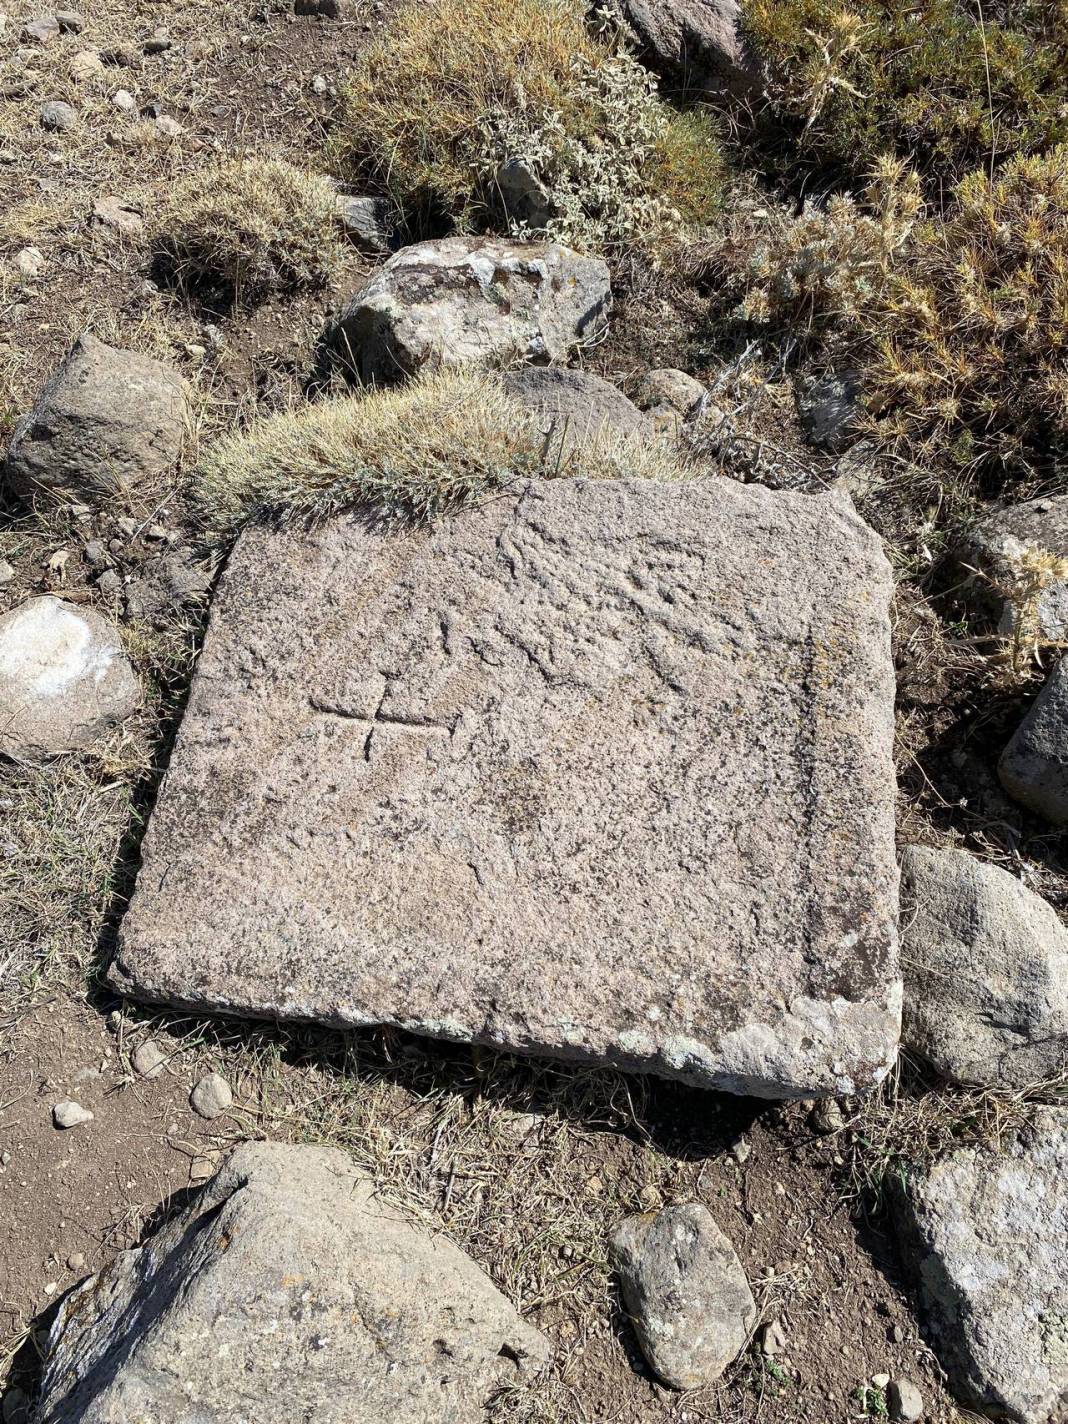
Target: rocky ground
x,y
114,1113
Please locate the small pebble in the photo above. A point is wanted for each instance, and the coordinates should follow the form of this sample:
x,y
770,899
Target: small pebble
x,y
158,41
826,1117
124,100
905,1401
740,1150
772,1338
148,1059
70,1114
41,31
58,117
70,21
880,1381
171,127
211,1096
76,1262
7,572
897,1334
114,1021
30,262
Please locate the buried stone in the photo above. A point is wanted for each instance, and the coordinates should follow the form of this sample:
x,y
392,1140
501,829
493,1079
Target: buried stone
x,y
598,770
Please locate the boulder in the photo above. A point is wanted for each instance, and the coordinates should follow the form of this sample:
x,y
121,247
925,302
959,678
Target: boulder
x,y
685,1292
598,769
575,406
994,547
987,1235
106,424
699,43
985,963
464,300
288,1289
64,680
1034,766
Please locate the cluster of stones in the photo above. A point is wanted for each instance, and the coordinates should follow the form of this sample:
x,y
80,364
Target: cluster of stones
x,y
639,737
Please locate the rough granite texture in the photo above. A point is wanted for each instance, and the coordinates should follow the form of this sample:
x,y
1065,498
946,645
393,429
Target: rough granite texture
x,y
987,1235
289,1290
685,1291
700,40
596,770
985,964
575,406
471,300
1034,765
106,424
65,680
1000,539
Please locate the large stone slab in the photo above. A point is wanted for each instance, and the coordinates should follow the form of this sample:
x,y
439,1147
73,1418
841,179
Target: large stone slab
x,y
596,770
289,1289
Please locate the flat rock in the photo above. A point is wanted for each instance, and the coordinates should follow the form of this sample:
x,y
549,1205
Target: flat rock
x,y
575,406
465,300
600,770
995,545
65,680
289,1289
685,1291
106,424
985,964
987,1234
1034,766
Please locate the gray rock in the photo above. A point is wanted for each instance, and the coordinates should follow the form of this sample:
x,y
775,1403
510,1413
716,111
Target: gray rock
x,y
7,572
574,406
773,1339
68,1114
685,1291
124,101
904,1400
524,198
175,580
828,408
71,22
328,9
600,770
290,1289
64,680
1034,766
994,546
108,423
699,41
30,263
987,1235
119,214
57,117
211,1096
159,41
367,223
985,963
462,300
148,1059
669,396
42,30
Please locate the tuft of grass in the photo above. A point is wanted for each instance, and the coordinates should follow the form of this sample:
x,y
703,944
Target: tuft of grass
x,y
945,84
246,229
414,452
448,92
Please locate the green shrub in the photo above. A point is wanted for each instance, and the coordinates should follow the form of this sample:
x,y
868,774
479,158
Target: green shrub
x,y
414,451
449,91
940,82
247,229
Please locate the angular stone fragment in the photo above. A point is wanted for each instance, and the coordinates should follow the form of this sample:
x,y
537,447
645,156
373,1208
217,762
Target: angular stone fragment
x,y
575,406
64,680
289,1289
987,1235
600,770
994,549
685,1291
1034,766
106,423
462,300
700,41
986,971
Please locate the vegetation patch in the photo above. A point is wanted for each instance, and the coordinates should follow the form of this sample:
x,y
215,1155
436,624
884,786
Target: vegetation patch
x,y
945,83
247,229
414,452
448,93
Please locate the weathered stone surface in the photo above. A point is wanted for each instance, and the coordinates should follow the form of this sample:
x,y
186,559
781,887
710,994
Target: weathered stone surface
x,y
64,679
462,300
367,222
575,406
988,1237
700,41
106,423
522,195
600,770
985,964
995,545
669,392
288,1290
685,1291
1034,766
